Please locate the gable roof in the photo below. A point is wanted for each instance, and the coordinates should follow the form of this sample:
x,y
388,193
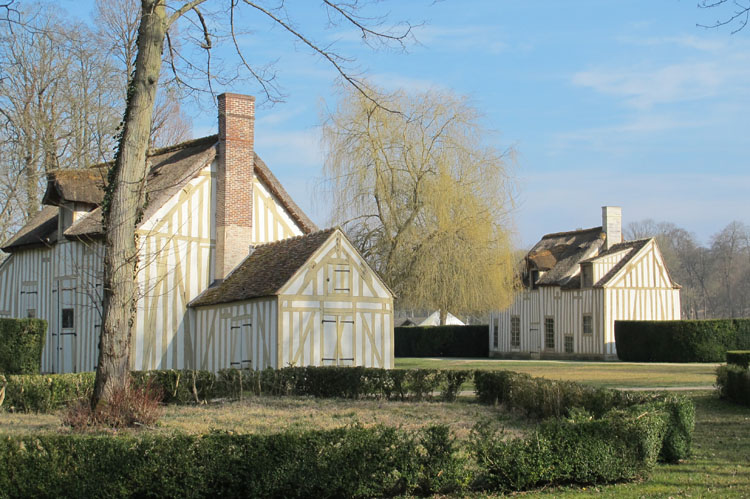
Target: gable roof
x,y
265,271
41,229
632,247
558,255
171,169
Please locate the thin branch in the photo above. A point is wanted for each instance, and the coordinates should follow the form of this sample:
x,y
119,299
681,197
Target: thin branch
x,y
182,10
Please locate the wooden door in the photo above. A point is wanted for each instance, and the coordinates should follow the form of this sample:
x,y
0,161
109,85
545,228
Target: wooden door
x,y
67,326
338,340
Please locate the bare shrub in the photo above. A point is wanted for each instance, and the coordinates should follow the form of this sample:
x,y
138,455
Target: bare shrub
x,y
127,407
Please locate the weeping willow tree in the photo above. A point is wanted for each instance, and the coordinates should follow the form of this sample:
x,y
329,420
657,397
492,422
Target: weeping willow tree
x,y
424,198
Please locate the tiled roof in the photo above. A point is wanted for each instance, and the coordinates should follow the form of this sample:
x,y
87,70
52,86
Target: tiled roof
x,y
265,271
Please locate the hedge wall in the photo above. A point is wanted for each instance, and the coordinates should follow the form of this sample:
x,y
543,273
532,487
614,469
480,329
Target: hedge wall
x,y
733,383
739,358
541,398
345,462
21,343
441,341
46,393
681,341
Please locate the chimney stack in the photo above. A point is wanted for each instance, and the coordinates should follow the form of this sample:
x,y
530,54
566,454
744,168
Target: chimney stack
x,y
612,225
234,181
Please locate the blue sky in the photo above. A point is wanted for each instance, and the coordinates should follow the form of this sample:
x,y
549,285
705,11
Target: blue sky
x,y
605,102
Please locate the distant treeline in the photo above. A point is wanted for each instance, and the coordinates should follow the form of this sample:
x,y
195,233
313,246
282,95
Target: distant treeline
x,y
715,279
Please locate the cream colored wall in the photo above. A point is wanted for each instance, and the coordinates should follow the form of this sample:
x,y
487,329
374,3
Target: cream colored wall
x,y
271,221
44,275
566,307
642,290
219,327
176,246
355,305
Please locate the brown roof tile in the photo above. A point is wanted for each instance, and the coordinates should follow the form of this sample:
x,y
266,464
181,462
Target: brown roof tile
x,y
265,271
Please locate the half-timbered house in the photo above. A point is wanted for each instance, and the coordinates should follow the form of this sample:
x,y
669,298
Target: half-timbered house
x,y
213,208
575,285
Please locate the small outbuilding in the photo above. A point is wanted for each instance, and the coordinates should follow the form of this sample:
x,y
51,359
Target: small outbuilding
x,y
308,300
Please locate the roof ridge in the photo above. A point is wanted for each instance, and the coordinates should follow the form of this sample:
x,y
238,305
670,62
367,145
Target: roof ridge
x,y
293,238
571,232
158,151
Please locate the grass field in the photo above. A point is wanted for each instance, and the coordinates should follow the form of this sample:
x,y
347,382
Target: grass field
x,y
605,374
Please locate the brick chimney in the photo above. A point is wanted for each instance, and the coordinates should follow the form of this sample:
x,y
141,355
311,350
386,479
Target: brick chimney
x,y
234,181
612,225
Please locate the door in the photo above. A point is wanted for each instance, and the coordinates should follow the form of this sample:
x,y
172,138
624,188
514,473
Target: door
x,y
338,340
241,344
67,326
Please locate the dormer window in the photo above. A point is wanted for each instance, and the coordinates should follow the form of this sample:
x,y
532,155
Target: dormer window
x,y
533,278
587,275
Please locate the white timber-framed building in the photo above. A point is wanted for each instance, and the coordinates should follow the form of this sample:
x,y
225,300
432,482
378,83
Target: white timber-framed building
x,y
232,273
575,285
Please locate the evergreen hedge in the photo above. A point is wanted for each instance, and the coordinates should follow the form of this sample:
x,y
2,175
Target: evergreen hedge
x,y
441,341
739,358
21,344
345,462
623,445
733,383
541,398
681,341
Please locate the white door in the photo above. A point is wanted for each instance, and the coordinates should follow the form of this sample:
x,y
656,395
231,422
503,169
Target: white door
x,y
338,340
67,326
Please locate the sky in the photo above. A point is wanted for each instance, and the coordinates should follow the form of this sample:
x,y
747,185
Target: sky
x,y
624,103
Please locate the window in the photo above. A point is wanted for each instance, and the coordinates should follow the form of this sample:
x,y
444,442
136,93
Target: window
x,y
67,318
587,275
549,332
515,331
588,324
568,344
496,334
339,279
533,278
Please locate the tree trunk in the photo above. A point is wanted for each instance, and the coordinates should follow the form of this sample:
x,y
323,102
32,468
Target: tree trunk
x,y
123,207
443,316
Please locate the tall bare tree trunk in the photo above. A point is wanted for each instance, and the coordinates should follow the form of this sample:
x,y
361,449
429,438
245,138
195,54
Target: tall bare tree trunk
x,y
124,204
443,316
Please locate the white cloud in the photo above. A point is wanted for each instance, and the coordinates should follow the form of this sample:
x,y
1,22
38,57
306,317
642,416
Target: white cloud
x,y
688,41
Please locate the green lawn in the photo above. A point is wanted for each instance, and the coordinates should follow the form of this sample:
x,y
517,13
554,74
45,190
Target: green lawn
x,y
606,374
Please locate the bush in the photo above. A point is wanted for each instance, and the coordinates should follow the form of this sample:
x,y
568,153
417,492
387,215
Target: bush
x,y
346,462
541,399
680,341
45,393
127,407
621,446
21,344
739,358
733,383
441,341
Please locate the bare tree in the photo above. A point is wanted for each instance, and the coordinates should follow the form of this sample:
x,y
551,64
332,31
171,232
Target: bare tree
x,y
124,199
423,198
735,13
56,105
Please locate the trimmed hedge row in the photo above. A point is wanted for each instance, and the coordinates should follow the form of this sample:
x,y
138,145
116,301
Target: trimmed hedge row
x,y
623,445
680,341
21,344
541,398
441,341
733,383
739,358
46,393
345,462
